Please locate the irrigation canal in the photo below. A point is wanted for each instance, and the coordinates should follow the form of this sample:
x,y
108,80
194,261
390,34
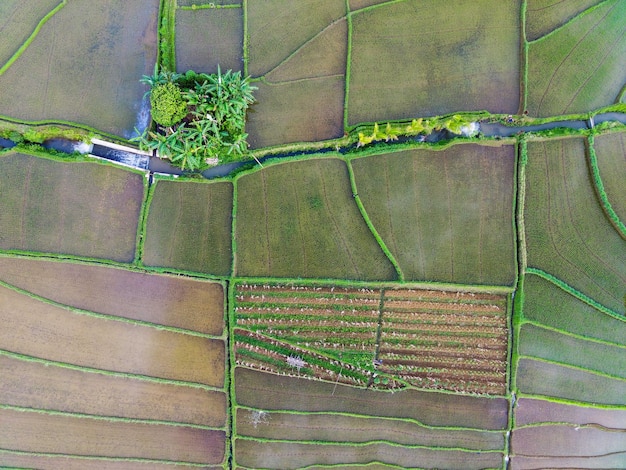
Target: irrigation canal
x,y
134,158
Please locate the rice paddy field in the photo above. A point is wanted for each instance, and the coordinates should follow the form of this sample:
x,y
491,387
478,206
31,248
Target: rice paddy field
x,y
97,375
82,209
83,65
592,40
189,227
401,304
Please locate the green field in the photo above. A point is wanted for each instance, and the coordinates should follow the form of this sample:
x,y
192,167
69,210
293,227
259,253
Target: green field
x,y
445,215
84,66
595,42
547,304
567,233
544,16
82,209
207,38
411,59
300,220
189,227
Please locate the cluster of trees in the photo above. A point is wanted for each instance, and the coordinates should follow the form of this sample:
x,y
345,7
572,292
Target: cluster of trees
x,y
198,117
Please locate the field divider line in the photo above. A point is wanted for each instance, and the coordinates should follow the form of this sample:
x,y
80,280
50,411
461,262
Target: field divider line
x,y
599,187
32,37
572,291
569,401
572,335
209,6
110,373
571,366
267,82
105,316
370,224
114,419
373,417
104,458
377,5
367,444
148,192
578,426
571,20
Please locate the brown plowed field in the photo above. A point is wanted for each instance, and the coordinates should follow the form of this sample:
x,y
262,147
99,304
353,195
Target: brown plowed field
x,y
313,311
438,295
413,305
262,298
493,354
38,329
35,385
166,300
269,289
403,340
445,318
40,432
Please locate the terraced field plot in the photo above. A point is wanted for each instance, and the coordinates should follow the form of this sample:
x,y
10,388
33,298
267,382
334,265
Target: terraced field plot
x,y
412,58
594,41
368,337
445,215
610,151
84,65
300,220
544,16
83,209
287,422
87,389
189,227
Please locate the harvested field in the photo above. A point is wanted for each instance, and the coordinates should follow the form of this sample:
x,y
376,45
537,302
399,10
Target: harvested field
x,y
166,300
271,392
18,20
84,66
534,341
91,210
296,111
530,411
579,67
435,216
43,386
262,454
206,38
330,427
38,329
549,305
39,432
542,378
278,28
567,233
544,16
452,68
300,220
611,153
566,441
189,227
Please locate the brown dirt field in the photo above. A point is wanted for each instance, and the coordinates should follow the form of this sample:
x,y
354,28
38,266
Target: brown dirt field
x,y
455,307
332,427
566,441
450,319
434,361
606,462
442,339
262,298
266,288
530,410
439,294
167,300
322,312
268,391
321,323
35,385
444,328
493,354
61,462
40,432
291,455
35,328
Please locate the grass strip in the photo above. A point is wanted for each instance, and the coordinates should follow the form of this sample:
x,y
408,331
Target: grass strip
x,y
599,187
106,418
366,444
32,37
105,316
148,192
570,290
103,459
570,366
568,401
110,373
229,376
208,6
369,223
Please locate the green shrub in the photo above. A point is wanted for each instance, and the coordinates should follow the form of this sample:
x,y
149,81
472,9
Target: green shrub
x,y
167,104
